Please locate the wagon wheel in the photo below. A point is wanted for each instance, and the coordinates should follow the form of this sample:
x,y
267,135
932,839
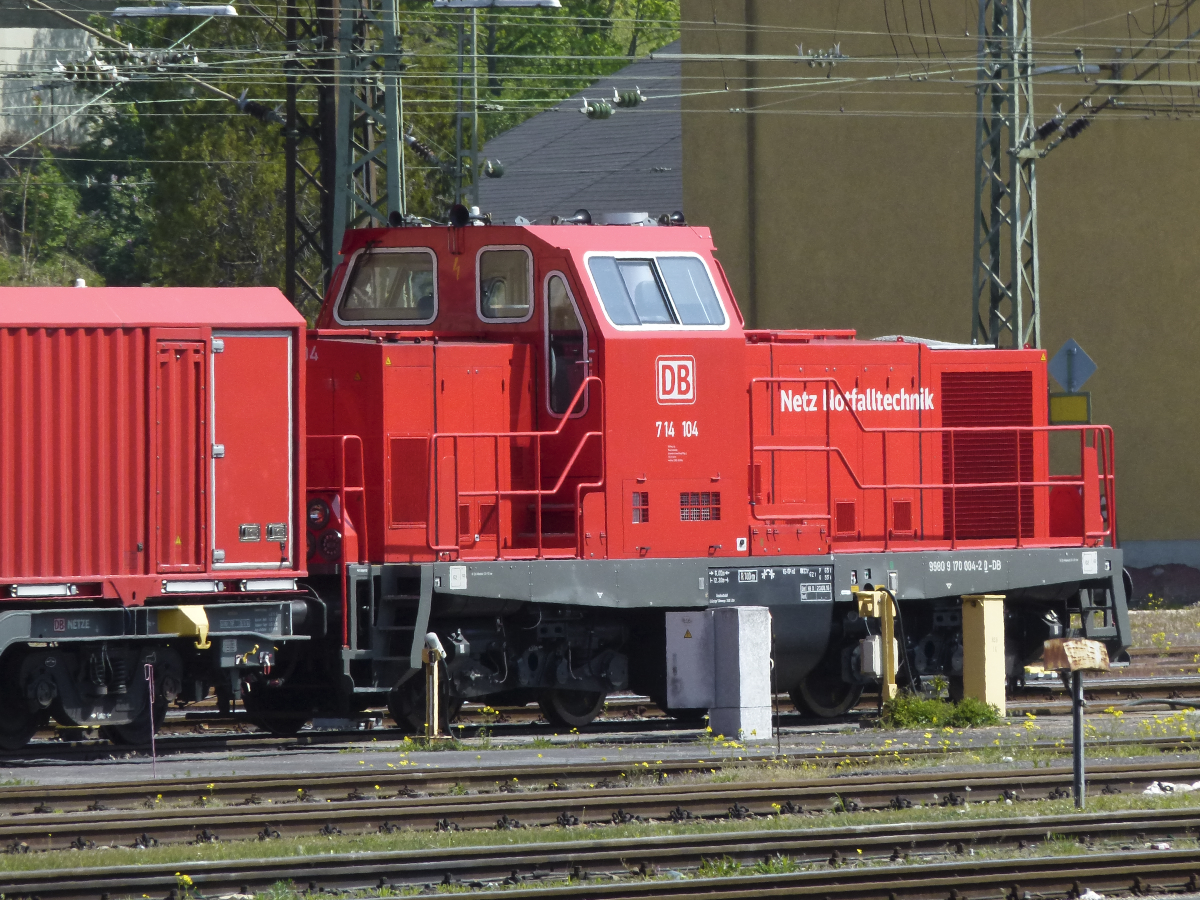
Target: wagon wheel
x,y
17,724
137,732
824,695
571,709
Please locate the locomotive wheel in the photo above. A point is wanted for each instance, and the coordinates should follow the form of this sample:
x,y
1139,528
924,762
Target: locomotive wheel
x,y
406,705
571,709
824,695
273,711
137,732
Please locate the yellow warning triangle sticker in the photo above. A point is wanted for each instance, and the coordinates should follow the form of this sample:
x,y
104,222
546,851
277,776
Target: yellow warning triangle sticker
x,y
687,634
357,377
387,361
179,543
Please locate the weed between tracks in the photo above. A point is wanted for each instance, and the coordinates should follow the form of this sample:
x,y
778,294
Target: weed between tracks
x,y
309,846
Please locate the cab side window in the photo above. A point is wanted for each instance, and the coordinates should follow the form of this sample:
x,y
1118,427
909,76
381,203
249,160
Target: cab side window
x,y
566,348
505,284
391,286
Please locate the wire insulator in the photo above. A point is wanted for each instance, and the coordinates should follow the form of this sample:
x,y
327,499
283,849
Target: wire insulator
x,y
1077,126
628,99
422,150
596,109
260,111
1047,128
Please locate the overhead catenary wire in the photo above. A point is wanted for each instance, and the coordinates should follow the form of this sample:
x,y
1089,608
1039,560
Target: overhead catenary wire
x,y
533,91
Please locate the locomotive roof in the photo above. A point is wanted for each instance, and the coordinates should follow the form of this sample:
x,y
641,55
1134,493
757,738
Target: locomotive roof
x,y
255,307
571,238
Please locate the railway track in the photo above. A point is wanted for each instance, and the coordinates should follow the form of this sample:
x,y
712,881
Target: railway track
x,y
21,800
384,807
847,860
212,732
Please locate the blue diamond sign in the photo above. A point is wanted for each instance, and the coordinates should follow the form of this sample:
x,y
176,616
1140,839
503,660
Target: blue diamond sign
x,y
1071,366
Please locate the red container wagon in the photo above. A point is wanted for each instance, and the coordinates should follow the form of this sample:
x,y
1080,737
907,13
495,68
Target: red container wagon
x,y
151,501
536,440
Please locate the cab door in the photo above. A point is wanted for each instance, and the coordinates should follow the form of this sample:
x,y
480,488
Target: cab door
x,y
252,452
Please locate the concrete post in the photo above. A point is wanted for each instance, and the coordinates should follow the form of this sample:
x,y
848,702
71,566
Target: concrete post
x,y
984,674
742,645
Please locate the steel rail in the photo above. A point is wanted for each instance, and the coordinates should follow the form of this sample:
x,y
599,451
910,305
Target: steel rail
x,y
581,860
644,710
176,739
24,799
364,811
1010,879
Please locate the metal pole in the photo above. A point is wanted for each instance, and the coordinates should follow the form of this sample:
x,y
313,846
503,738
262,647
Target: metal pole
x,y
291,144
474,107
1077,738
153,749
402,204
458,116
392,106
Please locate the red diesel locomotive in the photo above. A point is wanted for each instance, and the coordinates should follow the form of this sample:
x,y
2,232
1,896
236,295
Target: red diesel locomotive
x,y
533,441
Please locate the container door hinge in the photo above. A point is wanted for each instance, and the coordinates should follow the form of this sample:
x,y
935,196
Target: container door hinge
x,y
218,345
218,556
218,451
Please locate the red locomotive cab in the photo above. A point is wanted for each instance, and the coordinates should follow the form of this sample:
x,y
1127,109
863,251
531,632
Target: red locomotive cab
x,y
531,392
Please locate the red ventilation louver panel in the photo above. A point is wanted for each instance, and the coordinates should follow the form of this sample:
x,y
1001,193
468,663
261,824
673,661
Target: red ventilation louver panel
x,y
977,400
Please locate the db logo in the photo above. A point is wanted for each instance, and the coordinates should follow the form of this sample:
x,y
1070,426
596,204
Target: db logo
x,y
60,624
676,379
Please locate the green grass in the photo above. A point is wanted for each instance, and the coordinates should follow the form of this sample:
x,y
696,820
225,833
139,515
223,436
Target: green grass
x,y
910,711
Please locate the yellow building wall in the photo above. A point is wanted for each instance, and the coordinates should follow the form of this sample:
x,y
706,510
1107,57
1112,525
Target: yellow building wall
x,y
849,204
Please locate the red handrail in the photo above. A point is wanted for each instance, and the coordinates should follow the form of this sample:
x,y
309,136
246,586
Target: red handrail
x,y
1101,435
433,520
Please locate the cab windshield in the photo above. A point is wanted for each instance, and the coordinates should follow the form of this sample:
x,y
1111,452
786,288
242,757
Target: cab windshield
x,y
658,291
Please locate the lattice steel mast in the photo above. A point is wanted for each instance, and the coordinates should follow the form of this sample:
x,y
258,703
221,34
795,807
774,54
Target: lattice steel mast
x,y
345,164
310,148
1005,295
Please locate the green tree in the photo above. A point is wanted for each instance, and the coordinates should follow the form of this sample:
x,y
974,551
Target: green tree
x,y
528,61
175,186
39,217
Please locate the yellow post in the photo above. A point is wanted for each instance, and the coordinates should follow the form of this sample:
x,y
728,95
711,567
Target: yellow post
x,y
984,675
432,718
886,617
879,605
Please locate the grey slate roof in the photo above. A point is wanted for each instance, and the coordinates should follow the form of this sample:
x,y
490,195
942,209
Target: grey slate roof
x,y
560,160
